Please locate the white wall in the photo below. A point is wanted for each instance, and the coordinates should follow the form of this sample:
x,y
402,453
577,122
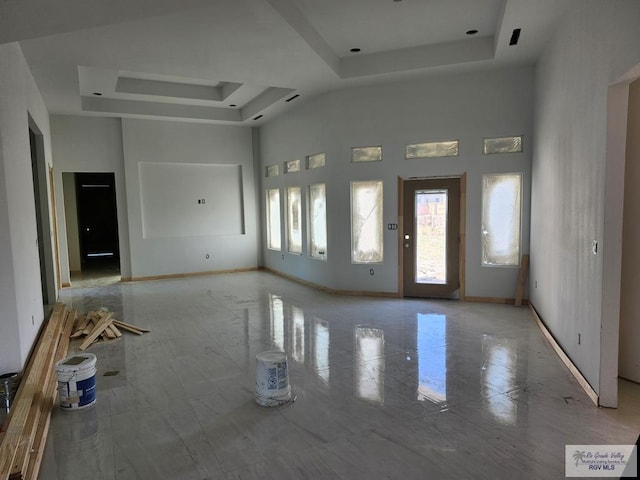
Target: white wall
x,y
467,107
596,44
21,309
629,307
89,144
188,143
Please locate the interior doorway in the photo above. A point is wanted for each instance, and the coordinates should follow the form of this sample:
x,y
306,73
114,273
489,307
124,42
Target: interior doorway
x,y
431,237
92,225
629,353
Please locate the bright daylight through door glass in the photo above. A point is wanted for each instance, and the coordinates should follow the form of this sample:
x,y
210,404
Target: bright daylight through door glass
x,y
431,236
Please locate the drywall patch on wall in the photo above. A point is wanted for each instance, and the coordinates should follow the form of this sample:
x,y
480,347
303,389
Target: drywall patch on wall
x,y
188,200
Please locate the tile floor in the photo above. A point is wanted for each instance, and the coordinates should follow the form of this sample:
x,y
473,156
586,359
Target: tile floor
x,y
386,389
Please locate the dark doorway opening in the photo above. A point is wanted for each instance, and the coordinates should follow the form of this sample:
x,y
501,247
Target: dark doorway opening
x,y
97,223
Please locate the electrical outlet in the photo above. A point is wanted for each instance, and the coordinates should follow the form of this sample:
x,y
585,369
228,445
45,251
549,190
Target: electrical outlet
x,y
594,247
371,272
535,284
207,256
579,338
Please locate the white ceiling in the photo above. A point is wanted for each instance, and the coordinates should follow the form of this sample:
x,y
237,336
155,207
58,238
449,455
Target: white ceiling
x,y
193,60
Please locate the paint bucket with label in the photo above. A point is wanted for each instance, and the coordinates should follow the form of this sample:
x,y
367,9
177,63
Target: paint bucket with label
x,y
272,379
77,381
9,383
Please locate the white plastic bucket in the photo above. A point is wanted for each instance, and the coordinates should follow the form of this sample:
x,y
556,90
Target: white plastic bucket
x,y
272,379
77,381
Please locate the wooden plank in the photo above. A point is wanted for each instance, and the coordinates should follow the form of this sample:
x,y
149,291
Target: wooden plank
x,y
522,279
95,333
28,430
21,459
115,330
128,328
93,319
49,400
591,393
44,378
122,324
27,393
84,321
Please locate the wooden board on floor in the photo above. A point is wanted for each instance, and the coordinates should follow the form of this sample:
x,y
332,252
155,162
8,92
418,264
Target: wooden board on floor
x,y
95,333
20,445
522,279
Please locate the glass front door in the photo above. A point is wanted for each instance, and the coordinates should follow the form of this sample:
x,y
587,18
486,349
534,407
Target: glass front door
x,y
431,237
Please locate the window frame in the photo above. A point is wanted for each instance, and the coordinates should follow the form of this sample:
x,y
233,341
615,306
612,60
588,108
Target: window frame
x,y
269,223
516,263
310,229
484,145
288,220
380,227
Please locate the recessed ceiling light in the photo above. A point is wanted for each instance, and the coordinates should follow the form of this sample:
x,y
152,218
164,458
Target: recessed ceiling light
x,y
355,50
471,32
233,105
257,117
97,94
292,98
397,1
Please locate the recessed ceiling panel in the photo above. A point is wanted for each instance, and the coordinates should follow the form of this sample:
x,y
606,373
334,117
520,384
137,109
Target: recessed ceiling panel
x,y
382,25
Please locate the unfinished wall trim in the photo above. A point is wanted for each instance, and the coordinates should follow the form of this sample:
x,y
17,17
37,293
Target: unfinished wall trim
x,y
355,293
591,393
498,300
187,274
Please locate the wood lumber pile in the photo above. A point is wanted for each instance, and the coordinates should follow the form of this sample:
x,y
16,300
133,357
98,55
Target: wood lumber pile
x,y
101,326
24,433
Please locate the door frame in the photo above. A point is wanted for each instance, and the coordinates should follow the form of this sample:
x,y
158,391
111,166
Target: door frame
x,y
40,181
463,235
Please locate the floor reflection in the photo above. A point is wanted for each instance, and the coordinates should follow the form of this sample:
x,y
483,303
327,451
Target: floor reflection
x,y
276,310
320,349
297,334
432,357
499,373
369,363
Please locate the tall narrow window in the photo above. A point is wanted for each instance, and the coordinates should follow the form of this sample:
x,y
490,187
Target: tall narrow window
x,y
366,222
273,219
294,220
501,198
318,221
